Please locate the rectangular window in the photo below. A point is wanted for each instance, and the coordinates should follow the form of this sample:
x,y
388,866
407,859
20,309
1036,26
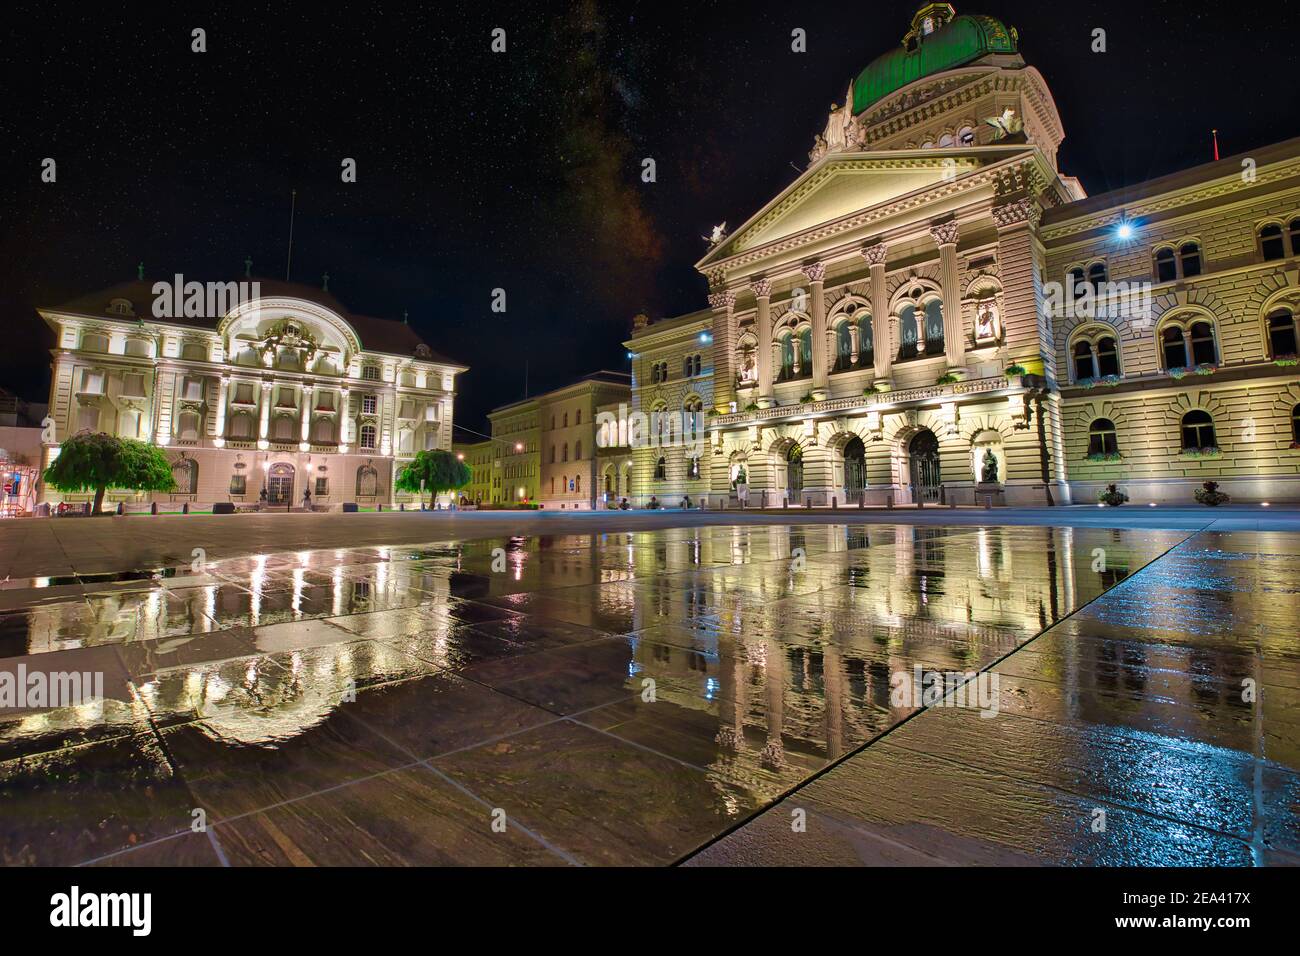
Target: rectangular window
x,y
288,398
192,389
325,402
368,404
406,410
430,439
322,487
370,373
238,484
133,384
88,419
92,382
244,393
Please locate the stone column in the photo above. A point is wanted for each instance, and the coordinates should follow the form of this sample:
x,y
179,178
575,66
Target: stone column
x,y
882,347
816,275
345,419
724,349
219,435
265,423
762,289
954,336
1025,324
306,398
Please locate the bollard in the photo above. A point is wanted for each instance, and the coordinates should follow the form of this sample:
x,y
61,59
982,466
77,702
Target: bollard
x,y
121,508
185,508
403,506
835,503
380,508
889,501
153,507
988,502
785,502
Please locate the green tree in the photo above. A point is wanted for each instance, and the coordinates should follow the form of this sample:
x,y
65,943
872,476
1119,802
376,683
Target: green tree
x,y
433,472
95,461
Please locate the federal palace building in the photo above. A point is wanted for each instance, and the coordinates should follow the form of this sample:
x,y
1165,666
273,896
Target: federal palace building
x,y
285,392
934,311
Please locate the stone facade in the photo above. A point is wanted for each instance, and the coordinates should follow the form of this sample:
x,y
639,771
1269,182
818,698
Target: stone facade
x,y
899,325
285,392
516,467
479,458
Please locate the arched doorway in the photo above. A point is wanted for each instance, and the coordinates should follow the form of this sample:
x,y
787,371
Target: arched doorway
x,y
923,456
855,470
279,484
794,471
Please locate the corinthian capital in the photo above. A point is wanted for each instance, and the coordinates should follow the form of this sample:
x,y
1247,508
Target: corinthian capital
x,y
875,255
1013,213
725,300
945,233
762,288
815,271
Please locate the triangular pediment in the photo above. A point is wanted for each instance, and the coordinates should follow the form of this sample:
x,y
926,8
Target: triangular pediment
x,y
844,185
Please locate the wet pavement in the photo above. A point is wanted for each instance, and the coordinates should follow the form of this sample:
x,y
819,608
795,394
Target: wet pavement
x,y
708,695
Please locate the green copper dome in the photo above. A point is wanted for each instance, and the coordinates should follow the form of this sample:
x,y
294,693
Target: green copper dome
x,y
951,41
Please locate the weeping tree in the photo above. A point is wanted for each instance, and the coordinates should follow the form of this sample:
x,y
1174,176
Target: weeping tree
x,y
433,472
96,462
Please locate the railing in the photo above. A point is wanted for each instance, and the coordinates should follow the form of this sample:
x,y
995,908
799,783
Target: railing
x,y
864,402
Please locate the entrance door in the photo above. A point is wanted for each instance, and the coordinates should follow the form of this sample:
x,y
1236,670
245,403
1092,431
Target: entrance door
x,y
855,470
924,454
794,472
279,485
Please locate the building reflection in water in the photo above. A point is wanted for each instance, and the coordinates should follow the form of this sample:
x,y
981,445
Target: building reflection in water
x,y
776,644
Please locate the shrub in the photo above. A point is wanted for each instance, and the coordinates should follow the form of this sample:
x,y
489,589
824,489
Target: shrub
x,y
947,379
1112,496
1209,494
1015,370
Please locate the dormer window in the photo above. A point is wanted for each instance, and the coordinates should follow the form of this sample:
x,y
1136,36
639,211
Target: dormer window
x,y
120,307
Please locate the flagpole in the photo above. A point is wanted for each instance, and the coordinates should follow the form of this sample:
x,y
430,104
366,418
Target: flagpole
x,y
293,205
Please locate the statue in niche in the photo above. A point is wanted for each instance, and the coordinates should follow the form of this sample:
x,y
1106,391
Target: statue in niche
x,y
989,473
986,322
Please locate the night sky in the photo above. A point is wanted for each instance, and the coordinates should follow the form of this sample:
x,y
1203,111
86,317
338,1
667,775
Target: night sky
x,y
518,170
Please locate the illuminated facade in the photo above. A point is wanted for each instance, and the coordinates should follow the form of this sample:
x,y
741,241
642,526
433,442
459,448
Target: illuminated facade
x,y
934,313
286,392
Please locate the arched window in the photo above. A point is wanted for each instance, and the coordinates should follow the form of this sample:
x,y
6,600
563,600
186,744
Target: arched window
x,y
966,136
1083,361
805,353
552,454
566,419
696,366
1271,245
1107,356
188,427
241,426
577,451
1189,257
577,482
843,346
1294,229
907,332
367,482
661,469
140,348
1077,282
787,358
578,420
1282,338
1198,431
367,435
1166,265
933,327
564,454
1173,347
1101,438
1204,351
94,342
186,473
1097,275
866,342
194,352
